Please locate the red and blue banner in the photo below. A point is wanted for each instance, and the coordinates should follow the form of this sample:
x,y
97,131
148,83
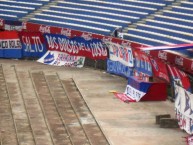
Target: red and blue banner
x,y
121,53
180,76
159,69
142,63
136,89
139,90
10,45
116,67
33,44
77,46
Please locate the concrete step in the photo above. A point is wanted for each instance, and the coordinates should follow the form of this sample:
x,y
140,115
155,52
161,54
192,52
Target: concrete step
x,y
159,117
168,123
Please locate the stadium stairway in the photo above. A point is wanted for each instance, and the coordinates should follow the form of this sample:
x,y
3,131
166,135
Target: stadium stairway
x,y
33,13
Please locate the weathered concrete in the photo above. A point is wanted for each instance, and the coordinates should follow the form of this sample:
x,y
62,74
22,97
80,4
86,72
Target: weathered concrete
x,y
123,124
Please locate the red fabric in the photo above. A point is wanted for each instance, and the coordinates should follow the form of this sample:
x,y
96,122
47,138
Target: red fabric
x,y
9,35
29,37
123,97
159,69
157,92
178,74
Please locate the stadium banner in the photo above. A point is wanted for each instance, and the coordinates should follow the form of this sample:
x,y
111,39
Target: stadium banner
x,y
159,69
136,89
78,46
115,67
10,44
28,26
179,76
120,53
61,59
184,108
142,63
140,90
2,23
176,59
33,44
12,25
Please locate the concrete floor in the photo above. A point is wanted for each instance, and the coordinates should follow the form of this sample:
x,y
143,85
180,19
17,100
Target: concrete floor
x,y
123,124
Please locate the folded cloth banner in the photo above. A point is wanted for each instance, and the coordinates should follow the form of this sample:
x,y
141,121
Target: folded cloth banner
x,y
78,46
115,67
123,97
120,53
136,89
33,44
184,108
159,69
62,59
142,63
10,45
179,75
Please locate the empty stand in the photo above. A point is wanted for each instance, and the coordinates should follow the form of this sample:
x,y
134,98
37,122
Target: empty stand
x,y
170,25
95,16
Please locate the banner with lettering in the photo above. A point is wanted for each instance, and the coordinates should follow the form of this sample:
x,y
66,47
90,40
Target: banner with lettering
x,y
136,89
159,69
33,44
115,67
120,53
184,108
10,45
61,59
77,46
142,63
181,76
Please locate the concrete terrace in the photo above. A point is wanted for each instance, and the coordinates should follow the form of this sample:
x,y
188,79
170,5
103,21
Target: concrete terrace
x,y
41,104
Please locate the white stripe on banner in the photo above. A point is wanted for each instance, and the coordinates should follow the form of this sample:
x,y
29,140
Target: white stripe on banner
x,y
184,108
62,59
10,44
134,93
120,53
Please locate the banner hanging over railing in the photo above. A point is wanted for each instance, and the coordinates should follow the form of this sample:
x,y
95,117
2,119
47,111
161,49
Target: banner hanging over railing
x,y
184,108
159,69
62,59
78,46
115,67
121,53
181,76
10,45
142,63
33,44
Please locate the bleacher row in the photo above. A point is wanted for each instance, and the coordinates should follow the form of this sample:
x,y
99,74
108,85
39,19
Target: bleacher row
x,y
145,21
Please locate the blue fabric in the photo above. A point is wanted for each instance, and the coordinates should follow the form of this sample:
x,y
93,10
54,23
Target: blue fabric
x,y
118,68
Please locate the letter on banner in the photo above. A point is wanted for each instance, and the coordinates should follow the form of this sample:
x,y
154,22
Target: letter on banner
x,y
10,45
62,59
78,46
33,44
120,53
